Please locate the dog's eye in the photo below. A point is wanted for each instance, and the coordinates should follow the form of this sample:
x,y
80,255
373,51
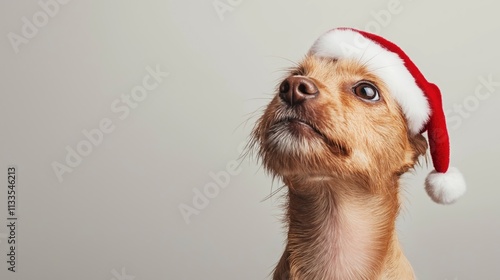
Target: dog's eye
x,y
366,91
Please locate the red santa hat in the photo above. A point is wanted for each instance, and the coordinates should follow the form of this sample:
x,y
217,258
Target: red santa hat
x,y
419,100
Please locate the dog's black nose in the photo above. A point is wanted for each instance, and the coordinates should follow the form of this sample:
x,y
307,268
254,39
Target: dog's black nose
x,y
296,89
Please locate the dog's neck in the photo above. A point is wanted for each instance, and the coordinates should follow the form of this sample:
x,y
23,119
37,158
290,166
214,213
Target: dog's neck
x,y
341,230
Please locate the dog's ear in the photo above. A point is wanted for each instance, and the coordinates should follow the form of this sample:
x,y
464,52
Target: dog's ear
x,y
419,144
416,148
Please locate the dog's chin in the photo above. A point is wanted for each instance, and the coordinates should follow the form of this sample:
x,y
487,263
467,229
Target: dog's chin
x,y
293,147
299,129
299,137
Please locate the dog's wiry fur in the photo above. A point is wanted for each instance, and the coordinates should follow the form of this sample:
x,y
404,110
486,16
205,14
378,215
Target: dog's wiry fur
x,y
342,174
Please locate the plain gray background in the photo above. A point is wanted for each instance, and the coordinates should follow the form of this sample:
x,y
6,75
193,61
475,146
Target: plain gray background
x,y
116,215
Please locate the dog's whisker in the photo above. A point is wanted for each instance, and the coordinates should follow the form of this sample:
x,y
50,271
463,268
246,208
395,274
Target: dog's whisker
x,y
371,58
259,98
273,193
284,70
383,67
363,54
284,58
250,116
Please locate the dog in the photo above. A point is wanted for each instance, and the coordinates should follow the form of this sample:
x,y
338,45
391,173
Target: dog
x,y
339,136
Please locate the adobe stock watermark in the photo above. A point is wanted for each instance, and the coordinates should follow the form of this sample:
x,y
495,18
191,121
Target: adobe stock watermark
x,y
31,26
122,108
484,89
121,276
222,7
203,195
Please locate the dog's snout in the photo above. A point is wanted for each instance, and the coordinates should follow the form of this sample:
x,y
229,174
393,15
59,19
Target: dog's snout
x,y
296,89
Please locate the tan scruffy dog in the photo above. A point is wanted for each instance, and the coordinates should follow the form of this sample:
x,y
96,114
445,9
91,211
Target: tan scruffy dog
x,y
344,126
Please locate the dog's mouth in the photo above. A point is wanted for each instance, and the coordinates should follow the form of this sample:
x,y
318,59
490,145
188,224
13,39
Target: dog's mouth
x,y
303,128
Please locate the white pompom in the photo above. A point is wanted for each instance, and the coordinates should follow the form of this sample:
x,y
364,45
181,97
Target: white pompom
x,y
445,188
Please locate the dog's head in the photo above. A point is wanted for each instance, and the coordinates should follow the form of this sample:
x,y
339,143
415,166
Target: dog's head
x,y
335,118
355,108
